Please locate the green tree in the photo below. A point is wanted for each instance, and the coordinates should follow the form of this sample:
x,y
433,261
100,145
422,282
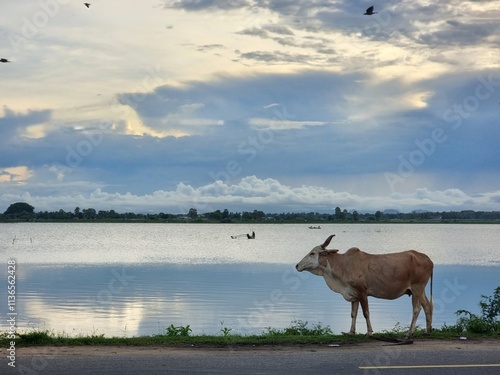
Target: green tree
x,y
78,213
20,209
339,215
345,214
193,213
355,215
89,213
258,215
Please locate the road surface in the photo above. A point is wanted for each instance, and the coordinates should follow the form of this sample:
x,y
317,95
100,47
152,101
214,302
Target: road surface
x,y
370,357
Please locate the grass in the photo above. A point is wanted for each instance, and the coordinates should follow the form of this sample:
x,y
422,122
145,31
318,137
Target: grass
x,y
299,332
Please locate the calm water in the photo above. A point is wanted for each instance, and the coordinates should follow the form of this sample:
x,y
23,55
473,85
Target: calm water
x,y
137,279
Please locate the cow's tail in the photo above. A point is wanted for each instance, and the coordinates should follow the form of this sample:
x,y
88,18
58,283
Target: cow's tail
x,y
431,302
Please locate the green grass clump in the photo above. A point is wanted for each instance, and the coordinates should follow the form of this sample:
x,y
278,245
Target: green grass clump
x,y
37,338
488,321
300,328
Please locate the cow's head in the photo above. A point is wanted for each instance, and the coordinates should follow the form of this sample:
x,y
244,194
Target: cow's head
x,y
315,261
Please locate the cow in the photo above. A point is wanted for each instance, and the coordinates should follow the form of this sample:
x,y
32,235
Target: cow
x,y
357,275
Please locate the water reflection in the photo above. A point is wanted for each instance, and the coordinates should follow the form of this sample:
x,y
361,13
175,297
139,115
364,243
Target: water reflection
x,y
126,300
137,279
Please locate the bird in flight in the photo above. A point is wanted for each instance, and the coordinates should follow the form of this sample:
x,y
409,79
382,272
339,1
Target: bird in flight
x,y
369,11
87,5
4,60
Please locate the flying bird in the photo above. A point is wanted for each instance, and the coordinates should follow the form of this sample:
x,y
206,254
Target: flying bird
x,y
4,60
87,5
369,11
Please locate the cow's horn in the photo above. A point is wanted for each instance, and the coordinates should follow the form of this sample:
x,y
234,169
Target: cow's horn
x,y
327,242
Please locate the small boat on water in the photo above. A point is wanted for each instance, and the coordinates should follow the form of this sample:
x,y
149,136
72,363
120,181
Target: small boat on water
x,y
313,227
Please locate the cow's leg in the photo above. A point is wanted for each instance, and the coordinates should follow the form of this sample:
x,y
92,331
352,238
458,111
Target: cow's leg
x,y
366,313
428,307
416,302
354,315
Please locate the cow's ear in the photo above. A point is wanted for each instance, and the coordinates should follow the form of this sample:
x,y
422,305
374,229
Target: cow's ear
x,y
330,251
323,258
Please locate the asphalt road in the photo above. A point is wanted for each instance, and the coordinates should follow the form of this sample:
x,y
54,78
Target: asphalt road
x,y
371,358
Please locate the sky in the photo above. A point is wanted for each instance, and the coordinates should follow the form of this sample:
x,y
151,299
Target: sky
x,y
280,106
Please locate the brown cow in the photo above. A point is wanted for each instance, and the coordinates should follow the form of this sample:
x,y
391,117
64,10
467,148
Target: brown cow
x,y
357,275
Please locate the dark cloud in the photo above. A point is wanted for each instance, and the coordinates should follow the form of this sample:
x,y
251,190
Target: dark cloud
x,y
209,47
442,24
307,94
278,57
14,145
197,5
13,123
254,31
456,32
278,29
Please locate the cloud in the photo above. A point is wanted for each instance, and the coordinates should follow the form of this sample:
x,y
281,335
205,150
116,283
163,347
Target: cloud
x,y
279,124
254,31
309,126
278,57
198,5
15,174
16,124
308,93
239,98
268,195
209,47
278,29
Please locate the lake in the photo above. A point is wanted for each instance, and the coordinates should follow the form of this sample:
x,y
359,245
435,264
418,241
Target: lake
x,y
136,279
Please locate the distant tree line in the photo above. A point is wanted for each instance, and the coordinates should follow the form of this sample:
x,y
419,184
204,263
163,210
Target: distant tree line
x,y
21,211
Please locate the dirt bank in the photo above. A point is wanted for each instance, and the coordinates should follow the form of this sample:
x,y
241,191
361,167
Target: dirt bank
x,y
421,344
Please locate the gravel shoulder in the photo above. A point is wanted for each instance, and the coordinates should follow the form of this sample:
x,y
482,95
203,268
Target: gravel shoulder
x,y
369,345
